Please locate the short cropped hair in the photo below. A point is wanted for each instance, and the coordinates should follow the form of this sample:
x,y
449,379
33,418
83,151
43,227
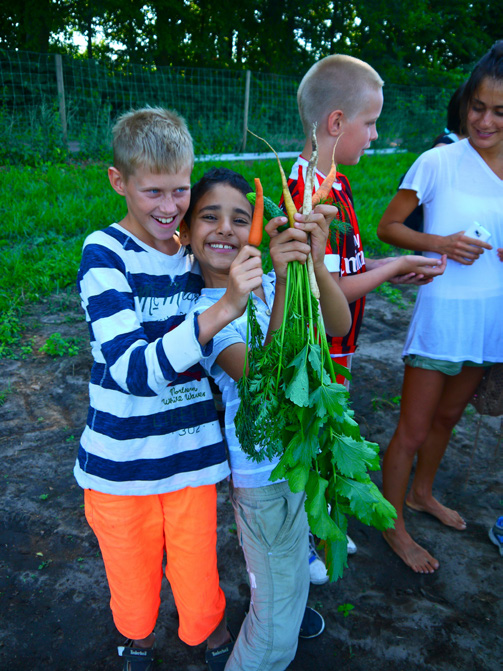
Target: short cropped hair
x,y
335,82
153,138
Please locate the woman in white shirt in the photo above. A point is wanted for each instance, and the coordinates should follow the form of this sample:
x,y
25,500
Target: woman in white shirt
x,y
457,325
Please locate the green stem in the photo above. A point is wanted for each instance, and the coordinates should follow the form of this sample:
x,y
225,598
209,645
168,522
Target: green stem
x,y
248,309
283,323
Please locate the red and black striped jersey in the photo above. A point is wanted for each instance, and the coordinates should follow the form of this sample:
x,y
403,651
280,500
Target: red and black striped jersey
x,y
344,250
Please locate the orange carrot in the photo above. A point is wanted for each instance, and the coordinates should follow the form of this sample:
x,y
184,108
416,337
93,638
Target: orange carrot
x,y
325,187
256,228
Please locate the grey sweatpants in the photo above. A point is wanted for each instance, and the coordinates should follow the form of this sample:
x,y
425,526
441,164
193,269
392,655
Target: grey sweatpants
x,y
273,532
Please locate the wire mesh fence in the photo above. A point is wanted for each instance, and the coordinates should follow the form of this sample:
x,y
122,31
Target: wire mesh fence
x,y
51,104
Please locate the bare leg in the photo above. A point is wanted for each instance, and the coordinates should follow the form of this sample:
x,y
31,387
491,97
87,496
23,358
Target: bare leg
x,y
145,642
220,635
457,392
421,393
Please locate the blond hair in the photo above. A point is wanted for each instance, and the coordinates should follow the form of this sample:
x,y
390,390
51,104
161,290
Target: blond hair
x,y
335,82
153,138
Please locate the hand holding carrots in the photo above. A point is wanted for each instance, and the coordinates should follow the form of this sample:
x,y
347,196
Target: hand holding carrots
x,y
289,245
245,276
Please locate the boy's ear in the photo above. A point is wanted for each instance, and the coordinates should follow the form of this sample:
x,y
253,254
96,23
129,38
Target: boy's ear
x,y
117,181
335,122
184,234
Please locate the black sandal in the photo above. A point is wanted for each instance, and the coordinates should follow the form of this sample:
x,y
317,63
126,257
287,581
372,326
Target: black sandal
x,y
136,659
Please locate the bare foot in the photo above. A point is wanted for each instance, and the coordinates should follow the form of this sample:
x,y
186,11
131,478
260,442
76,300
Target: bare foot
x,y
433,507
416,557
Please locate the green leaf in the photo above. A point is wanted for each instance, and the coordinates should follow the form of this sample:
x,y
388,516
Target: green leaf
x,y
353,457
320,522
336,552
298,477
303,446
314,356
341,370
327,400
298,389
367,503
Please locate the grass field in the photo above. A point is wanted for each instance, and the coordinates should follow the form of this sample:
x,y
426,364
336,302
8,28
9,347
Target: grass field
x,y
46,213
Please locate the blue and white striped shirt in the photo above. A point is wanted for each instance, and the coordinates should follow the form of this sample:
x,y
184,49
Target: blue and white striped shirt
x,y
245,472
152,425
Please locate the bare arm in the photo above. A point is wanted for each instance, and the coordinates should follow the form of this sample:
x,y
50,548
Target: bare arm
x,y
392,230
421,268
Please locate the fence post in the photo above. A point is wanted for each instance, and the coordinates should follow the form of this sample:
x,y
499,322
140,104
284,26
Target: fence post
x,y
61,94
246,108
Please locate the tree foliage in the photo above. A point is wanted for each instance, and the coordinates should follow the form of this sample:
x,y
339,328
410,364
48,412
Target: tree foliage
x,y
425,42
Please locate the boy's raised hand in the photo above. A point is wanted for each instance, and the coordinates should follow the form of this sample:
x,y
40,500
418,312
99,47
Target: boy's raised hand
x,y
289,245
245,276
293,244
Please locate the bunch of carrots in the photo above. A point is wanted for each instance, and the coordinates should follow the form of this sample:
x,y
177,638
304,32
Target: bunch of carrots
x,y
293,409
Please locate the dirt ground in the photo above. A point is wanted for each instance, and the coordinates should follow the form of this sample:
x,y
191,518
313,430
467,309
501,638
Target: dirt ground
x,y
53,591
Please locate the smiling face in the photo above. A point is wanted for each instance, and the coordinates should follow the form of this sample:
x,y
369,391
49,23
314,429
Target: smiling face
x,y
358,132
485,117
219,227
156,205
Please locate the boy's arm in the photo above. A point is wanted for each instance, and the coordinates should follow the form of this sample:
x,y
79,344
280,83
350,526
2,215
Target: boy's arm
x,y
137,364
422,268
392,230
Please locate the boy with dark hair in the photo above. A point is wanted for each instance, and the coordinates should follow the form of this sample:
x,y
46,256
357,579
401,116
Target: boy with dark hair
x,y
152,451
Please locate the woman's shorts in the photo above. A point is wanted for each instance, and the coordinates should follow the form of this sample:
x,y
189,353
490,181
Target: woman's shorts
x,y
445,367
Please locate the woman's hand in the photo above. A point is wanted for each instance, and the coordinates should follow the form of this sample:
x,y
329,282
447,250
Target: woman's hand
x,y
461,248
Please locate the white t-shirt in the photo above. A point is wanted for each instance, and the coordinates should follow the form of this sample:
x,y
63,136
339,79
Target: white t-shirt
x,y
459,316
245,472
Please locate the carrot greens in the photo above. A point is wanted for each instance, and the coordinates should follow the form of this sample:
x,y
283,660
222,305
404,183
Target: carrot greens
x,y
292,408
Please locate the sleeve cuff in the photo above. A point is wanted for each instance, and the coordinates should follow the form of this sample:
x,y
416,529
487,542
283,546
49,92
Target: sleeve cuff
x,y
333,263
182,347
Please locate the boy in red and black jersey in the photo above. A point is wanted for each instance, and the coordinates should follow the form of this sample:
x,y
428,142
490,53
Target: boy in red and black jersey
x,y
343,96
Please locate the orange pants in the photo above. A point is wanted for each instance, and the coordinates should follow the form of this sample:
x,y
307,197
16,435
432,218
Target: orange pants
x,y
134,532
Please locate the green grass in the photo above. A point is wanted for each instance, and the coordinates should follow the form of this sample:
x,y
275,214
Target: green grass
x,y
47,212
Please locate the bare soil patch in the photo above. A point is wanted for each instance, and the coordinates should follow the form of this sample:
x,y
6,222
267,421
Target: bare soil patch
x,y
53,591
